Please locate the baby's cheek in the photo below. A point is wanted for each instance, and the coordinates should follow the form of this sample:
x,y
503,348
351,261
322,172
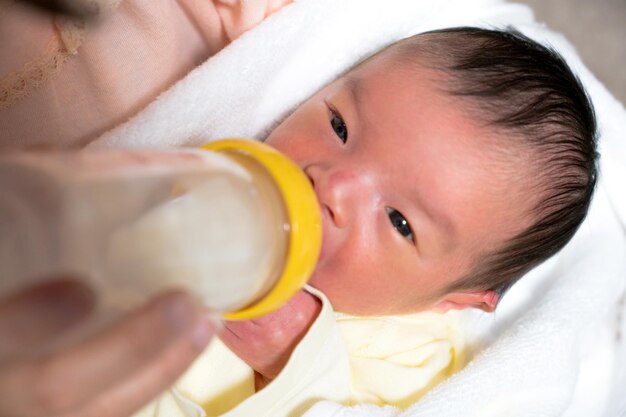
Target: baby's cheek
x,y
288,145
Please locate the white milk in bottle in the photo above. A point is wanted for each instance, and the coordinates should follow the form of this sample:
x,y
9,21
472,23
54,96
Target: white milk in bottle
x,y
237,224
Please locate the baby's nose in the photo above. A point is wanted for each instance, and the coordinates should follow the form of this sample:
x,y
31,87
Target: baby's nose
x,y
343,193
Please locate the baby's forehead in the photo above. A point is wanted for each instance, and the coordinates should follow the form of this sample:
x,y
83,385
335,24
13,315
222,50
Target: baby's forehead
x,y
384,84
481,145
390,71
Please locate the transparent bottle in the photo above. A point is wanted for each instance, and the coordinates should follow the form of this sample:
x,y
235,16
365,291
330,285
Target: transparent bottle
x,y
236,223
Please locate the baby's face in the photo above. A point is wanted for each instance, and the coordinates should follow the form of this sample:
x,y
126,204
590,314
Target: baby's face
x,y
410,190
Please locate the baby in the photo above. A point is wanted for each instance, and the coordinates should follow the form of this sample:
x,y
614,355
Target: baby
x,y
446,166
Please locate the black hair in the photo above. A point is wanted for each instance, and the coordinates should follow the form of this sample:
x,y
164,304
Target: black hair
x,y
528,92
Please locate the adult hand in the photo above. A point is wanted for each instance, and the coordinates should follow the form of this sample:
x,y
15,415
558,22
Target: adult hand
x,y
113,373
266,343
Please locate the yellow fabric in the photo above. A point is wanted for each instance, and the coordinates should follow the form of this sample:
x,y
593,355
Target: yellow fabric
x,y
397,359
218,381
346,359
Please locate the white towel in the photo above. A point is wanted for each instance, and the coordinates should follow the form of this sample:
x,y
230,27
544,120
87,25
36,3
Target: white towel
x,y
552,348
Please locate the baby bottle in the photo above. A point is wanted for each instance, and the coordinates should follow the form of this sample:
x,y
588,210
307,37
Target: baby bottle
x,y
235,223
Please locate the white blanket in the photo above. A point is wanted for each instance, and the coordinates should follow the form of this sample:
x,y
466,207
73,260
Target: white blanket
x,y
553,348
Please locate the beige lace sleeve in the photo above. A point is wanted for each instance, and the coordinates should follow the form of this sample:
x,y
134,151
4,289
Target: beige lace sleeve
x,y
62,45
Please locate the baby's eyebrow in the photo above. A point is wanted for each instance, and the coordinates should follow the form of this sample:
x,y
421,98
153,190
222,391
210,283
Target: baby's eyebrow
x,y
354,86
439,218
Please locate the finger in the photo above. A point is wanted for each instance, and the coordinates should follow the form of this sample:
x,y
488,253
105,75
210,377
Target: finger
x,y
147,383
31,317
70,378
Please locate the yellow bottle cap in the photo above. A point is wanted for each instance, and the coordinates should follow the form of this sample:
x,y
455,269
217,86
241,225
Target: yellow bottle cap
x,y
305,231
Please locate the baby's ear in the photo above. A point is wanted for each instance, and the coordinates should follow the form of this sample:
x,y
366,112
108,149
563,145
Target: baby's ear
x,y
483,300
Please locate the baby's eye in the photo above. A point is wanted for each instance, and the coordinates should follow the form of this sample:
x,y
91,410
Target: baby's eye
x,y
400,223
338,126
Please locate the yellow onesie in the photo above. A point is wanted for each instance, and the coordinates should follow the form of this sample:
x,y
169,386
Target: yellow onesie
x,y
375,360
